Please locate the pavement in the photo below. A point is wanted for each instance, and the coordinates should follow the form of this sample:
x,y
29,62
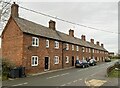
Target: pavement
x,y
94,76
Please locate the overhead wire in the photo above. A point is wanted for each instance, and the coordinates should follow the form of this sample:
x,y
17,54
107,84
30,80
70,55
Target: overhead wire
x,y
63,20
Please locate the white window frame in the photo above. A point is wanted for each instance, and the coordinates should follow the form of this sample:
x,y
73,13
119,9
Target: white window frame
x,y
72,47
77,48
93,51
47,43
67,46
77,58
56,44
83,49
33,62
56,60
67,59
36,41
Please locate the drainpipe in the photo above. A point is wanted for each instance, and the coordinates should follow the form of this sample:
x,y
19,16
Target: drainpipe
x,y
91,53
62,54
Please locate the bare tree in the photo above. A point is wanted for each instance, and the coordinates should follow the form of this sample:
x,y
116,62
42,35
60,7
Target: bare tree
x,y
4,12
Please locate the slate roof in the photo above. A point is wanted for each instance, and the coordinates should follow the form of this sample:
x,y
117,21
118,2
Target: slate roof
x,y
39,30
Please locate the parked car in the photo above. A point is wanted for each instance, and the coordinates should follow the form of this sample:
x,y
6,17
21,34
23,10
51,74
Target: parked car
x,y
107,60
81,63
92,62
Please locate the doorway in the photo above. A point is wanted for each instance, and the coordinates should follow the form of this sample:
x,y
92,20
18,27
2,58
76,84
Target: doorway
x,y
46,63
72,60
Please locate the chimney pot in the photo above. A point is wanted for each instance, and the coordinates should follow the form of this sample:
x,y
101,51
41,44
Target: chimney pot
x,y
71,33
14,10
92,41
102,45
97,43
83,37
52,24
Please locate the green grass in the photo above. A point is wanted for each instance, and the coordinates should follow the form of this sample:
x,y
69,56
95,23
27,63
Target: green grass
x,y
114,73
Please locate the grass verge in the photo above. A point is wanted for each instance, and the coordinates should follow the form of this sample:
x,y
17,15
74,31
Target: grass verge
x,y
114,73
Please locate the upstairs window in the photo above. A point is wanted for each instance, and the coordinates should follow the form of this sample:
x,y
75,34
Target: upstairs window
x,y
47,43
67,46
34,61
77,48
72,47
93,50
35,41
56,44
83,49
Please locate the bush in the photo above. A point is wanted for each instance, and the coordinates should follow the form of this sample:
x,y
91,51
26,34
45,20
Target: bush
x,y
6,66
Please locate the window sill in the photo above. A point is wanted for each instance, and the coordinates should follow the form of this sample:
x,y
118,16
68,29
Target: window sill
x,y
56,48
35,45
34,65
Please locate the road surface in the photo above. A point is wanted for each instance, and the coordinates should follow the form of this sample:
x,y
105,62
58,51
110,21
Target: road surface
x,y
92,76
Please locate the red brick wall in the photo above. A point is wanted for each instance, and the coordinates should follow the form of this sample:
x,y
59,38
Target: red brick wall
x,y
41,52
12,42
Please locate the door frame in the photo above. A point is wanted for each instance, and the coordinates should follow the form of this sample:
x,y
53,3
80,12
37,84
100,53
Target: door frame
x,y
48,63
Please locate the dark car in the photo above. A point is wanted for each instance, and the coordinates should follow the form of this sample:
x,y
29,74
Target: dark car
x,y
107,60
92,62
81,63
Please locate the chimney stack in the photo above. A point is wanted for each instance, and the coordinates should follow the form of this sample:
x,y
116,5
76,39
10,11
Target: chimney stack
x,y
83,37
97,43
14,10
92,41
102,45
52,24
71,33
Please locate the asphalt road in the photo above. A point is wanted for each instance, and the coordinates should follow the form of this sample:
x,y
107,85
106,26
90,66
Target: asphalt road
x,y
92,76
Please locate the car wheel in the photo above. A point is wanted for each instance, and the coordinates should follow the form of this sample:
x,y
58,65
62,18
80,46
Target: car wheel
x,y
93,64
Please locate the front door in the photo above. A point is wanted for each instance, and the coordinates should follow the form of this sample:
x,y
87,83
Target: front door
x,y
72,60
46,62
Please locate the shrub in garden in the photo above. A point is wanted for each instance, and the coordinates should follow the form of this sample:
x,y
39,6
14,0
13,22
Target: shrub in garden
x,y
6,66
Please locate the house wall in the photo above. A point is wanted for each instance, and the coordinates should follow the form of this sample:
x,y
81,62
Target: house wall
x,y
17,47
12,43
41,51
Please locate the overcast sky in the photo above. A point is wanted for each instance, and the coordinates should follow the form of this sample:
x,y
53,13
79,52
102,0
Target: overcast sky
x,y
101,15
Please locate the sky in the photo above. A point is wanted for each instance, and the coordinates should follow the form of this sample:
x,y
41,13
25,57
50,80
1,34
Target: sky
x,y
100,15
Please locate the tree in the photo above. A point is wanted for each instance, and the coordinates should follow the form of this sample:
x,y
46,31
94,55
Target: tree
x,y
4,12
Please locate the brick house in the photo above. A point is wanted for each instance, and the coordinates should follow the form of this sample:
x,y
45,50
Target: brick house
x,y
39,48
111,54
